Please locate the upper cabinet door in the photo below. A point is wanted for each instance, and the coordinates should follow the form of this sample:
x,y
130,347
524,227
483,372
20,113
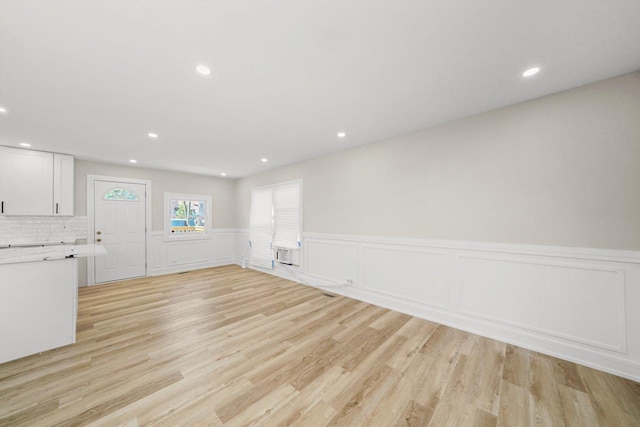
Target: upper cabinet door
x,y
26,182
62,184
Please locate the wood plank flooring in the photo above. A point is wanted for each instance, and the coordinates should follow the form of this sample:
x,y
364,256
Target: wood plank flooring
x,y
228,346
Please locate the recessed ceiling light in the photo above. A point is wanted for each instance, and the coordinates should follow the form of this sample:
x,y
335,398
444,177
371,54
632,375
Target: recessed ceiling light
x,y
341,134
531,71
223,174
25,144
133,161
3,110
152,135
204,70
264,160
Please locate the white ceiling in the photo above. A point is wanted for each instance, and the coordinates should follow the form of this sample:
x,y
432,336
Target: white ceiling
x,y
92,78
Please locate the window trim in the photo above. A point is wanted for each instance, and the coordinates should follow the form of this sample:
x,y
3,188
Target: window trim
x,y
168,197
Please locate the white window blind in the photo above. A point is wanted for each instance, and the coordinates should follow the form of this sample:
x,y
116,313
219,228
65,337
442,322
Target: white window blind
x,y
275,220
261,228
286,215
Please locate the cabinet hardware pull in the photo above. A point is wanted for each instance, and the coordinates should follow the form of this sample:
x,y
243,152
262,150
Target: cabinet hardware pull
x,y
2,209
56,208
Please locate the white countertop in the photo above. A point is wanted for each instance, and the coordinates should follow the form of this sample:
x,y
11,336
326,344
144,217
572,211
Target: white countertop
x,y
43,253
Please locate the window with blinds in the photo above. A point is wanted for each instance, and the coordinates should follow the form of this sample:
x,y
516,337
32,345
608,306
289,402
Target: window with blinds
x,y
275,220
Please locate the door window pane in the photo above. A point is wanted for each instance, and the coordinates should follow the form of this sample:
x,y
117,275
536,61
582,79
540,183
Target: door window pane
x,y
120,194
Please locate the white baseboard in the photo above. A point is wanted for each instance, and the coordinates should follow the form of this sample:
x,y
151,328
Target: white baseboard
x,y
573,303
188,267
564,350
577,304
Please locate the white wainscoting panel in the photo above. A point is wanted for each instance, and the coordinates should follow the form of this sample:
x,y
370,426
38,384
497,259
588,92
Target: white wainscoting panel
x,y
579,304
554,298
188,252
223,246
241,247
407,272
333,261
158,253
183,255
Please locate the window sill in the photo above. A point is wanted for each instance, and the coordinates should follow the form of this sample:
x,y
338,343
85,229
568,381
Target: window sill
x,y
180,238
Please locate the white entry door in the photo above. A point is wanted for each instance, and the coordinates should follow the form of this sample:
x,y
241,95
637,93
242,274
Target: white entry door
x,y
120,226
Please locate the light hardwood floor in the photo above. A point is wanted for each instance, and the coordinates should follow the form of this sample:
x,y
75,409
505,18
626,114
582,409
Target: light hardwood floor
x,y
238,347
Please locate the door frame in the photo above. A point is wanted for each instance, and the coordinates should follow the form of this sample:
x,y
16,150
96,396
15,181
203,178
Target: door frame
x,y
91,219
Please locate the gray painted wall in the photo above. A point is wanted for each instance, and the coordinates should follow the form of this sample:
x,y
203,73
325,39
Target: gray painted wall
x,y
560,170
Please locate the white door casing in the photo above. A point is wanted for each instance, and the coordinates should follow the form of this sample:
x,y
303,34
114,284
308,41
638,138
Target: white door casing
x,y
120,225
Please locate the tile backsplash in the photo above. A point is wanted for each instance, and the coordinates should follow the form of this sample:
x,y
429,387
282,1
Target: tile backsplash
x,y
27,230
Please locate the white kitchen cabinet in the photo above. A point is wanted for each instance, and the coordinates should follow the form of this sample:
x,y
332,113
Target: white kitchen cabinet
x,y
35,183
62,184
26,186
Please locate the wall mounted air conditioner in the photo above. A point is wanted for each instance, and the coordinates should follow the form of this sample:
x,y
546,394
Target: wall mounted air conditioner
x,y
287,256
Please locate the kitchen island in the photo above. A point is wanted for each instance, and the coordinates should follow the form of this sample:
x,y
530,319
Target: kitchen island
x,y
39,299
